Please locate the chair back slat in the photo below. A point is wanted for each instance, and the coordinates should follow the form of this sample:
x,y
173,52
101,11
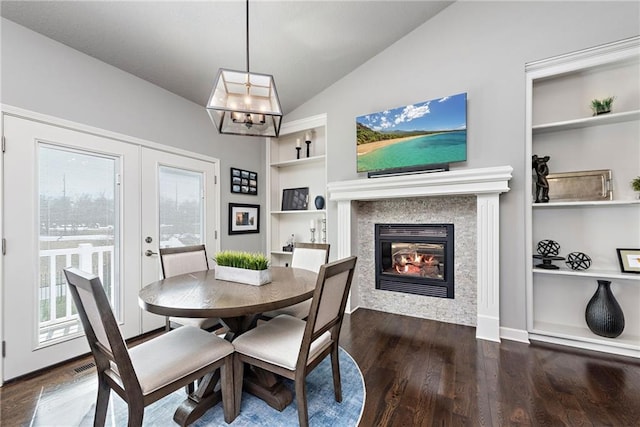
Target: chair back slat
x,y
331,300
182,260
328,303
100,326
90,308
310,256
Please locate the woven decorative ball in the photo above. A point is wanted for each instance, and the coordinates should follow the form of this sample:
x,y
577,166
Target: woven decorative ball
x,y
548,248
578,261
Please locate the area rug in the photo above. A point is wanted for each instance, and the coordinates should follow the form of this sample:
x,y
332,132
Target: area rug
x,y
73,404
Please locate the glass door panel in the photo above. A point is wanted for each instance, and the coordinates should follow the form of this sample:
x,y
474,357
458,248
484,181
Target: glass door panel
x,y
77,205
181,207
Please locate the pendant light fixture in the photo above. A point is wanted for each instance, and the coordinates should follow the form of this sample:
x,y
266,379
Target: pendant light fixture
x,y
245,103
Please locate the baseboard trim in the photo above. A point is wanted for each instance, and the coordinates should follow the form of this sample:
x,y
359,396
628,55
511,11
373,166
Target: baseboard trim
x,y
510,334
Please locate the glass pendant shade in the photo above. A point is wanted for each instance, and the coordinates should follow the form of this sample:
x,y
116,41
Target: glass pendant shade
x,y
244,103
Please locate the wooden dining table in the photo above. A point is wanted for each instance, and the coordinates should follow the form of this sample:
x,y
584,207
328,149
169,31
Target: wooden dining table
x,y
238,306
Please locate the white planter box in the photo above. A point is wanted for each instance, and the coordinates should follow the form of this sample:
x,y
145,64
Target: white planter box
x,y
241,275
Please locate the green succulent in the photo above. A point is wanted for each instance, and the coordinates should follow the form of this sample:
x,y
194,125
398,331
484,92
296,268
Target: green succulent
x,y
239,259
602,105
635,183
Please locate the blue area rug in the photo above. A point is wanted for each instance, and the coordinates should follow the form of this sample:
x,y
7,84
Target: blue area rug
x,y
74,403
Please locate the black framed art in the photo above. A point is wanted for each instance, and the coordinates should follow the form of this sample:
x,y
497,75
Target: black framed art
x,y
295,199
244,219
629,260
244,182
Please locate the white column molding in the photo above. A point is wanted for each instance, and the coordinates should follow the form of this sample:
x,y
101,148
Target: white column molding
x,y
344,228
488,267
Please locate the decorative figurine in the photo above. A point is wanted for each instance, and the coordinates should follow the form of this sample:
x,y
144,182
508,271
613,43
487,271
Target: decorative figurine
x,y
548,251
578,261
542,185
290,244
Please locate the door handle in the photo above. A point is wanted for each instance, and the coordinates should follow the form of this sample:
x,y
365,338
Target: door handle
x,y
149,252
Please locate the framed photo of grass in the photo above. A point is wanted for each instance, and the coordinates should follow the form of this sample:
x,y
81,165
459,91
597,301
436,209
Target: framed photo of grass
x,y
244,219
244,182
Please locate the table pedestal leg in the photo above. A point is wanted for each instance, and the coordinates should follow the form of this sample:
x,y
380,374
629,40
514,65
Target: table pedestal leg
x,y
196,404
268,387
262,384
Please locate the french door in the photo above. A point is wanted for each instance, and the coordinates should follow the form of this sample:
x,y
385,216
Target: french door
x,y
178,209
68,198
77,199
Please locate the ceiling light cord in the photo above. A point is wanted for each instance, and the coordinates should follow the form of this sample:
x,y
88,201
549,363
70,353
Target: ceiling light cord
x,y
247,36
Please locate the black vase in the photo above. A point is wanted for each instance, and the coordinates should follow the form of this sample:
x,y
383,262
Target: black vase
x,y
319,201
603,314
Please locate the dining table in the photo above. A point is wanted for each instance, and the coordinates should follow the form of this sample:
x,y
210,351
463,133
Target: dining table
x,y
238,306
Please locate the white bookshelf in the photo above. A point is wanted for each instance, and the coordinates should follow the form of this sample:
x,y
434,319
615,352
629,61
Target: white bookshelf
x,y
560,124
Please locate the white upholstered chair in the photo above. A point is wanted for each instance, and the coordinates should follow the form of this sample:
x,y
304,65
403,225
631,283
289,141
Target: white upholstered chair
x,y
182,260
309,256
152,369
293,347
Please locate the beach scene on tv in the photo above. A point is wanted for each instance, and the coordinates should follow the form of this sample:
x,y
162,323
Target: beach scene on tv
x,y
427,133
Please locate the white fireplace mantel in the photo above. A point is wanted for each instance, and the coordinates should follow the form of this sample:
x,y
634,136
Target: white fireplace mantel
x,y
485,183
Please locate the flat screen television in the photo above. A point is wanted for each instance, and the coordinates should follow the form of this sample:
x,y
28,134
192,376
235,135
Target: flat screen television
x,y
420,137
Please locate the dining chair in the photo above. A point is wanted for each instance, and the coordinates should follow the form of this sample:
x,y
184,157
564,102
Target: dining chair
x,y
293,347
310,256
182,260
152,369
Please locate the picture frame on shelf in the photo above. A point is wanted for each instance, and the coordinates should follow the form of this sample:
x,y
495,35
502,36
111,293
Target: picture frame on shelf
x,y
244,218
629,260
295,199
244,182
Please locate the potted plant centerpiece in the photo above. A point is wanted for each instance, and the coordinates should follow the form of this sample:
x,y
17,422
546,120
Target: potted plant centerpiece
x,y
243,267
635,184
602,106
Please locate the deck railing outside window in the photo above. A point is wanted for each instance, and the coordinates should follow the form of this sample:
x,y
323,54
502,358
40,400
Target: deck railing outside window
x,y
56,309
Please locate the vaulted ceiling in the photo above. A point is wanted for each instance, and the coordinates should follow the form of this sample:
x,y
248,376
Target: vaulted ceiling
x,y
179,45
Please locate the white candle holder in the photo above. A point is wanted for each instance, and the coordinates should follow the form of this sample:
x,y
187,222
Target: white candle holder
x,y
313,234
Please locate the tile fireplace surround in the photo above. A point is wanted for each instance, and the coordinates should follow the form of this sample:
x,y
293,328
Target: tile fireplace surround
x,y
486,184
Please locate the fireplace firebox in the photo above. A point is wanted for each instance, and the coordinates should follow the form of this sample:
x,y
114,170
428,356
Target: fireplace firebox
x,y
415,259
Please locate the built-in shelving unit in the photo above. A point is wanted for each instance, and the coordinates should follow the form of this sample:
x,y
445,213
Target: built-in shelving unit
x,y
285,171
560,124
587,122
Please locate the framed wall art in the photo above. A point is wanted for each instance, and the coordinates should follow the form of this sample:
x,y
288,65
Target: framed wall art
x,y
629,260
244,219
244,182
295,199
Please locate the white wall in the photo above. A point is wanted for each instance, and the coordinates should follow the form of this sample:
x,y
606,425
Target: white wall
x,y
480,48
47,77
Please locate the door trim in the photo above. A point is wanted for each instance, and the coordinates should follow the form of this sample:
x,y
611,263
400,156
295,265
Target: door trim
x,y
9,110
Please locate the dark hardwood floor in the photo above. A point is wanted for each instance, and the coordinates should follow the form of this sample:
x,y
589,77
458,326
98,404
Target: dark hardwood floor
x,y
421,373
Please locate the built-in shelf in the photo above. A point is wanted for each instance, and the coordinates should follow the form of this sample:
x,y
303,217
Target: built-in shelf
x,y
600,120
281,253
298,162
585,335
299,212
284,171
601,274
557,89
582,204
